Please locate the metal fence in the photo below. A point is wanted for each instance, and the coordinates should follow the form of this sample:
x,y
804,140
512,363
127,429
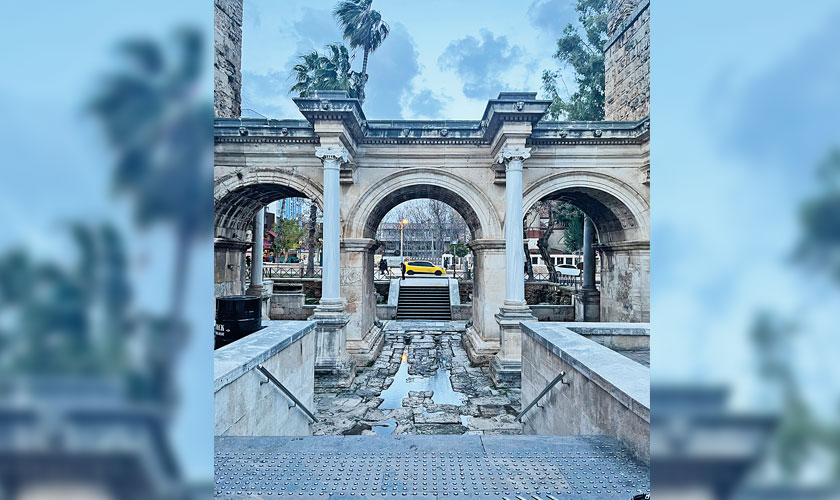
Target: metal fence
x,y
395,273
285,271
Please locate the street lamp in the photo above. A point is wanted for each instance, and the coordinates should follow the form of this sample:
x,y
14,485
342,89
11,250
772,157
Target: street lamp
x,y
403,223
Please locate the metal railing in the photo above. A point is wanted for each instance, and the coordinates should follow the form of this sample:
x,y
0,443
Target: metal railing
x,y
288,393
558,378
395,273
290,270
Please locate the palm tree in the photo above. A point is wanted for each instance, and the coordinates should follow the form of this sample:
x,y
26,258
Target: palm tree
x,y
330,71
363,28
155,121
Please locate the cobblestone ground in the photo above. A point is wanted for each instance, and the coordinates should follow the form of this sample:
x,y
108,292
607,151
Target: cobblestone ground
x,y
422,383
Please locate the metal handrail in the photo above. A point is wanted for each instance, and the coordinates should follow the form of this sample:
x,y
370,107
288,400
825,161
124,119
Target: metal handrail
x,y
558,378
276,382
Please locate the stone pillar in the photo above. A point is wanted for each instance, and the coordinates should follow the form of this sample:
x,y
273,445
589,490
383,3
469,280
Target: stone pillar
x,y
588,300
255,287
364,337
482,340
506,366
259,287
625,281
333,366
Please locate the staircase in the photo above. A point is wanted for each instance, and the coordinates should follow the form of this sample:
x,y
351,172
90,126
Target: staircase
x,y
424,302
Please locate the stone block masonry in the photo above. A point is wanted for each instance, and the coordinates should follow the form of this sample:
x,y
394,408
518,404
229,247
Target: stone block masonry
x,y
604,392
228,58
627,61
245,403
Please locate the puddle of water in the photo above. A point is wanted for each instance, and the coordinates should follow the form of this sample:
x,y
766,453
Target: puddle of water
x,y
403,383
385,427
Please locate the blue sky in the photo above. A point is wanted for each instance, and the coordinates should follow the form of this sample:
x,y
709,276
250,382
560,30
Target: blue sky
x,y
442,59
741,114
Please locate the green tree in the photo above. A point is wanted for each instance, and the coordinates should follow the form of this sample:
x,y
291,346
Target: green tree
x,y
572,218
363,28
582,48
329,71
289,234
819,217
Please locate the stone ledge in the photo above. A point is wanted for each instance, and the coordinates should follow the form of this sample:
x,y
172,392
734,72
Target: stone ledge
x,y
624,379
236,359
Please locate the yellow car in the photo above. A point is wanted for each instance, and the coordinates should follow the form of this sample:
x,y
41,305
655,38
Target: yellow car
x,y
423,267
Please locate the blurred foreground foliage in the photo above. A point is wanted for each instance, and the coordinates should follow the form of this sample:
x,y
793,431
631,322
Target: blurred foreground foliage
x,y
803,438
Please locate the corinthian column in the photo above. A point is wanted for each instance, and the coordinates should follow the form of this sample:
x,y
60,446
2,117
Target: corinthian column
x,y
332,157
513,159
506,366
333,366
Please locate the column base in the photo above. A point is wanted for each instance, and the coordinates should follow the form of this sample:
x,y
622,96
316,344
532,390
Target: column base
x,y
506,373
588,305
334,374
366,351
264,291
506,368
479,351
333,366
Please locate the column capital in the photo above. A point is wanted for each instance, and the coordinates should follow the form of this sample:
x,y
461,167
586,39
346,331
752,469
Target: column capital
x,y
515,155
332,154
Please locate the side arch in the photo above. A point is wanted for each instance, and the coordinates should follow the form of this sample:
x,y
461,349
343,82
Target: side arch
x,y
619,212
239,195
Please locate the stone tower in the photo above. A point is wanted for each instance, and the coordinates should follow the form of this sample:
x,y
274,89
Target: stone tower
x,y
627,60
227,76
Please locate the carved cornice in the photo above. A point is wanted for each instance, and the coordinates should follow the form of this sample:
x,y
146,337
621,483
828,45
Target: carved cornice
x,y
432,132
481,245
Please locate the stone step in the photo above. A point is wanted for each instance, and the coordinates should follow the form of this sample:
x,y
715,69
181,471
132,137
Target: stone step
x,y
428,467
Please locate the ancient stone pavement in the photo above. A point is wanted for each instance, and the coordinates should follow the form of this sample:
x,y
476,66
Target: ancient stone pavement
x,y
421,383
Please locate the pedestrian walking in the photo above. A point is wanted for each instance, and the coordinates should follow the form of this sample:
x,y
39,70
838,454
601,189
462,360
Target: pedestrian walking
x,y
383,267
402,269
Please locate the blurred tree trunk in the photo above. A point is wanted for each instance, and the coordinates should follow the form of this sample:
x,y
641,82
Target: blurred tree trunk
x,y
313,220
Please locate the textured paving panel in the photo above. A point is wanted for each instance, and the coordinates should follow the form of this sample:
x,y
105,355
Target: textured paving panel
x,y
529,467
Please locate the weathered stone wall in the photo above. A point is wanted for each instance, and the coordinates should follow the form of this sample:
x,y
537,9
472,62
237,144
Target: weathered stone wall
x,y
627,60
625,283
605,393
245,403
552,312
228,58
289,306
229,268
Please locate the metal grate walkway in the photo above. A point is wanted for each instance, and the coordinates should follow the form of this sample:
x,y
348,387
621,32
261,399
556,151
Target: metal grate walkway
x,y
427,467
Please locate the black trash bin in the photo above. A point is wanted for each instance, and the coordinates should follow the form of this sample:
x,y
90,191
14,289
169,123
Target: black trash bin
x,y
237,316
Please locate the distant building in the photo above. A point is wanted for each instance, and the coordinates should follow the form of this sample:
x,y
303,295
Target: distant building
x,y
293,208
421,241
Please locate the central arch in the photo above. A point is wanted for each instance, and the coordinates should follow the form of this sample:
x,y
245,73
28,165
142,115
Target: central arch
x,y
362,221
463,196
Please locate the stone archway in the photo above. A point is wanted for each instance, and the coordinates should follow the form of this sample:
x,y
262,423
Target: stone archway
x,y
362,220
238,197
621,217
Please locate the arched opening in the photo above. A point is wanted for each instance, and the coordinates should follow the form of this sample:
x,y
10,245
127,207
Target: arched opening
x,y
290,242
621,245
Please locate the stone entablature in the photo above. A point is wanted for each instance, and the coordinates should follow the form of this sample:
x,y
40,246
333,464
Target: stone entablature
x,y
441,132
